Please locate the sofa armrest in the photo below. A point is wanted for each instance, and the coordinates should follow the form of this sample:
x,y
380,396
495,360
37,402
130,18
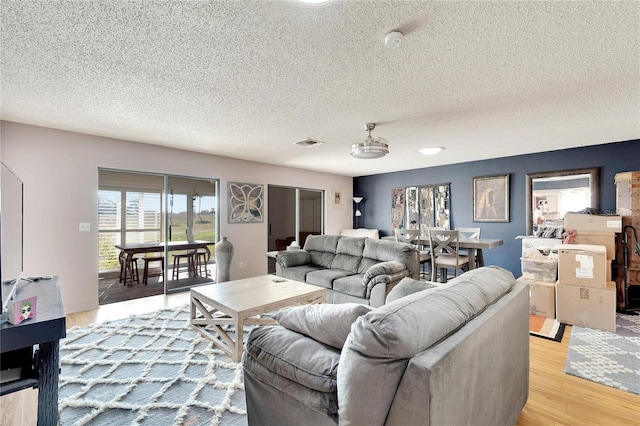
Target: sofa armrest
x,y
290,258
384,272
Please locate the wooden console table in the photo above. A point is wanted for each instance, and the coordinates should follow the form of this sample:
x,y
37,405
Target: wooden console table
x,y
45,331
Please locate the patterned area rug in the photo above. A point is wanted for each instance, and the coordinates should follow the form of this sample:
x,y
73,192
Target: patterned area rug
x,y
150,369
547,328
611,359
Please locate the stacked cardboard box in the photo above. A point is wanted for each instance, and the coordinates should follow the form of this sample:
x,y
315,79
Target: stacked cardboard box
x,y
628,206
584,296
540,271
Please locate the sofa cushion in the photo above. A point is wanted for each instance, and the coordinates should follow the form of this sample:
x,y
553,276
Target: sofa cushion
x,y
351,285
299,273
348,254
329,324
294,364
325,277
322,248
383,250
406,287
382,341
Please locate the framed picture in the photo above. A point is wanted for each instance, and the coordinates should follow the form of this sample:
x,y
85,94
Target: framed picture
x,y
246,201
336,198
491,198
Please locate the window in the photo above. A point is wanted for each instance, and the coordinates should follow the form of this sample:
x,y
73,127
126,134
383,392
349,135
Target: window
x,y
141,217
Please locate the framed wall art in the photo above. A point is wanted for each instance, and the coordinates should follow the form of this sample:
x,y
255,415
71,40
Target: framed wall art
x,y
336,198
491,198
246,202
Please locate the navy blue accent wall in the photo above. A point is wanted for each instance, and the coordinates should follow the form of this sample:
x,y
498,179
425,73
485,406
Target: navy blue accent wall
x,y
611,158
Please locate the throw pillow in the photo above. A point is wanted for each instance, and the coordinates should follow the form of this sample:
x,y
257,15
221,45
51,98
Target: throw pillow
x,y
326,323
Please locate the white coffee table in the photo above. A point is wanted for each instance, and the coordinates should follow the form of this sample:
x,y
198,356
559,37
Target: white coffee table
x,y
239,302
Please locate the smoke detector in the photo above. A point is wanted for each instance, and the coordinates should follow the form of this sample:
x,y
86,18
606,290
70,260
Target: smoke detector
x,y
393,39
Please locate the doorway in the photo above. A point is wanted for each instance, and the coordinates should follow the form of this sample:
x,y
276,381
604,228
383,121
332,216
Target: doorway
x,y
293,214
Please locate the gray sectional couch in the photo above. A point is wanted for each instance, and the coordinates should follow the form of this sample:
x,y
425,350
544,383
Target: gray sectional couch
x,y
452,354
359,270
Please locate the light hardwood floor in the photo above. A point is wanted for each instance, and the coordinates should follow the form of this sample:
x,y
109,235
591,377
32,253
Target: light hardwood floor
x,y
554,397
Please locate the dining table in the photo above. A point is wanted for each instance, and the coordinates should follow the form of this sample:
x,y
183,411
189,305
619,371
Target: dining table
x,y
131,250
474,247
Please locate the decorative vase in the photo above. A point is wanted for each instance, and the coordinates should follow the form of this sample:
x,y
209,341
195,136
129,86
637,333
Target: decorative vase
x,y
224,254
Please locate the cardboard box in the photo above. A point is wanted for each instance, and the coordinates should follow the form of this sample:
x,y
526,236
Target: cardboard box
x,y
587,306
535,244
539,269
542,298
606,239
593,223
628,193
583,265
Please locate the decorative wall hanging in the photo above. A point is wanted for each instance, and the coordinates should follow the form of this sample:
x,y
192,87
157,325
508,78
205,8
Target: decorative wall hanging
x,y
491,198
397,208
336,198
420,207
245,202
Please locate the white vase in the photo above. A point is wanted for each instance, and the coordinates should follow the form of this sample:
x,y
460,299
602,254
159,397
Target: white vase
x,y
224,254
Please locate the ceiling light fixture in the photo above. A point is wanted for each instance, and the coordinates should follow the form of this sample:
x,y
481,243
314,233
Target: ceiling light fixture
x,y
371,147
430,151
313,2
393,39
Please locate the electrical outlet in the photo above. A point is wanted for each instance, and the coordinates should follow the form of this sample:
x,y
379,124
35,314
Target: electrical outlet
x,y
85,227
244,264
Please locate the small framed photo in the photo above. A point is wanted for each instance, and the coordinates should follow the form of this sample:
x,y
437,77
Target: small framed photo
x,y
336,198
491,198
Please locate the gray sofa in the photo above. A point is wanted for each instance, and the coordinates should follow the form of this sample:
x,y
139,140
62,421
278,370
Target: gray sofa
x,y
452,354
359,270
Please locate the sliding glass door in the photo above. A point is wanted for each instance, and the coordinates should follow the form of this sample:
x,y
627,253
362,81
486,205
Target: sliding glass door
x,y
144,216
191,218
293,214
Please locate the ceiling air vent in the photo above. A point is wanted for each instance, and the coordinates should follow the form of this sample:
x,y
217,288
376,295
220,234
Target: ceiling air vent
x,y
308,142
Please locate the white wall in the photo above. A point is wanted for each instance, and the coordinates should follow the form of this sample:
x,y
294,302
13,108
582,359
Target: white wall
x,y
60,174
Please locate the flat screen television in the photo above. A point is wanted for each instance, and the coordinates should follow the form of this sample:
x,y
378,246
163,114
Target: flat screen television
x,y
11,231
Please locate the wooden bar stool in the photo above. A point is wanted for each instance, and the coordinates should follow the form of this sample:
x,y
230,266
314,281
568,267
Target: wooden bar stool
x,y
178,266
201,263
147,274
124,271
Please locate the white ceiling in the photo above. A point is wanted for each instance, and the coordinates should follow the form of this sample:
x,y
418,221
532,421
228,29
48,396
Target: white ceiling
x,y
246,79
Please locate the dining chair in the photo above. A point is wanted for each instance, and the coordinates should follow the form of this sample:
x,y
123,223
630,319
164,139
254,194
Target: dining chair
x,y
410,236
445,253
471,233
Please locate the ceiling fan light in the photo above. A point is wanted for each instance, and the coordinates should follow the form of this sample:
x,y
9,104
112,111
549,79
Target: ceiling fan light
x,y
371,147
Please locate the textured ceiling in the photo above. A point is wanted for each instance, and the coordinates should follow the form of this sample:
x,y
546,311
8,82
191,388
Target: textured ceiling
x,y
246,79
